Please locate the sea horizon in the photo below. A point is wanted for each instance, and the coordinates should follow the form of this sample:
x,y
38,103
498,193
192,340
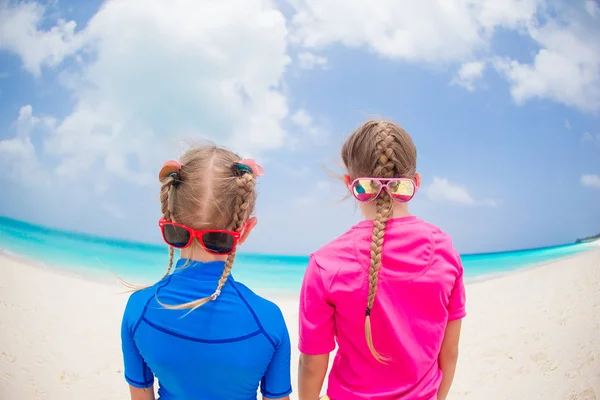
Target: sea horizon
x,y
102,257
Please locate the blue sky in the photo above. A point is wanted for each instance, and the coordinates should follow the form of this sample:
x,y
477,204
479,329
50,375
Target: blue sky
x,y
502,100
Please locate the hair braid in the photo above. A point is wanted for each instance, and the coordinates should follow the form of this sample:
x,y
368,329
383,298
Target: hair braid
x,y
385,168
167,196
240,216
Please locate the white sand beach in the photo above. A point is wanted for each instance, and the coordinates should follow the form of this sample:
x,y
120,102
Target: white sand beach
x,y
534,334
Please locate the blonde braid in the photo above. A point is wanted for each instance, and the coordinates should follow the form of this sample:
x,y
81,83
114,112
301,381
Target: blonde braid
x,y
240,216
167,196
244,198
385,169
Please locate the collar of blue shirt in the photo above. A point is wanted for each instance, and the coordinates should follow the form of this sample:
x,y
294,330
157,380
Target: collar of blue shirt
x,y
191,268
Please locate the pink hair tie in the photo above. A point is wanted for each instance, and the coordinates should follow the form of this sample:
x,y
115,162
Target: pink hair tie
x,y
168,168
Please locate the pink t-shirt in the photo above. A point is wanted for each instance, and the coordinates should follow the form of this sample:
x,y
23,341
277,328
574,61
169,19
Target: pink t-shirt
x,y
420,289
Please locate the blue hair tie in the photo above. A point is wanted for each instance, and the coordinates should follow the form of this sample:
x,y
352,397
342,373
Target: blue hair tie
x,y
176,178
241,169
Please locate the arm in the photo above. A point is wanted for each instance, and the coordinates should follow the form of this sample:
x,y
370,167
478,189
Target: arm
x,y
141,394
449,357
449,350
311,374
317,332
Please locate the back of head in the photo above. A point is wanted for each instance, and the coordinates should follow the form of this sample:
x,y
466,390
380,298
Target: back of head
x,y
379,149
206,193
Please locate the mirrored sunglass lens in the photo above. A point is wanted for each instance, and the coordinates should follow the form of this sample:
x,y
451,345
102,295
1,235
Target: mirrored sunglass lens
x,y
365,189
176,236
218,242
401,190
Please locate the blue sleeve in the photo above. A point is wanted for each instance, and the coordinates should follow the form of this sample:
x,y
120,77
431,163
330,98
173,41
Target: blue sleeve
x,y
137,373
277,382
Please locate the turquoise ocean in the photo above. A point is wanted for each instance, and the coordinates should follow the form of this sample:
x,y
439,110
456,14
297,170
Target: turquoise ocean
x,y
142,263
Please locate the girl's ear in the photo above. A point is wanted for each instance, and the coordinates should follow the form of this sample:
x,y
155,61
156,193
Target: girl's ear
x,y
250,224
346,179
418,180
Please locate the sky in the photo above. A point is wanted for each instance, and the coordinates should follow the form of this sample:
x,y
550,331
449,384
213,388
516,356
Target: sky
x,y
502,100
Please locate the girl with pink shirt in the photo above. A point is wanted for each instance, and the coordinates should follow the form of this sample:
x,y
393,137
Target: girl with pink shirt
x,y
389,291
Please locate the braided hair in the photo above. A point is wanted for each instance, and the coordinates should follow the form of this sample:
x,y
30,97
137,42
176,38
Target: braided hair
x,y
378,149
167,196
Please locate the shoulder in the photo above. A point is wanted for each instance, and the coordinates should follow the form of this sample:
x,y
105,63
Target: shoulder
x,y
267,313
136,304
331,257
341,248
444,249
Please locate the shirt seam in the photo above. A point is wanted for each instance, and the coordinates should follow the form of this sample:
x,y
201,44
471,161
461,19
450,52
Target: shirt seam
x,y
330,283
423,271
137,325
145,383
260,327
316,350
143,313
356,258
284,393
457,315
431,257
412,221
209,341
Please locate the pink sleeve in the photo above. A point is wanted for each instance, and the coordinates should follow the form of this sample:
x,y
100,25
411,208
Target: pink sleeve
x,y
456,304
316,316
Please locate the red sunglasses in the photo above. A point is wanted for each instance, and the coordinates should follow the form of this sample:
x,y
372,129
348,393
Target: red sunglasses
x,y
216,241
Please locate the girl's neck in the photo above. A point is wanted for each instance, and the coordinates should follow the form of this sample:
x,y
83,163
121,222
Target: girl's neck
x,y
400,210
197,253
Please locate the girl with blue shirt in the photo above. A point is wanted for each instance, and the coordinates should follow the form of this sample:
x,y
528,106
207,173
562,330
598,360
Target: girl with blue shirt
x,y
199,332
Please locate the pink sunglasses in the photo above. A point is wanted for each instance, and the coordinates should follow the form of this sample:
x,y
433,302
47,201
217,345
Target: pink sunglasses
x,y
366,190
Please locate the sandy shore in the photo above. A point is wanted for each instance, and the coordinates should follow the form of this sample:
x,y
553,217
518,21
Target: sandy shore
x,y
531,335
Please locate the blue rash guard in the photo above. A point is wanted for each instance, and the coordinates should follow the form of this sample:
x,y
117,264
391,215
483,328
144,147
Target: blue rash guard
x,y
221,350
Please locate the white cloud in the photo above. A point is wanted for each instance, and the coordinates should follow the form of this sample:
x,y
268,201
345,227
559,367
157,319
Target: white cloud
x,y
19,33
159,72
302,118
308,60
469,74
306,201
589,138
322,196
441,189
324,186
591,180
567,124
20,146
307,128
295,171
17,155
592,7
426,30
567,67
114,211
